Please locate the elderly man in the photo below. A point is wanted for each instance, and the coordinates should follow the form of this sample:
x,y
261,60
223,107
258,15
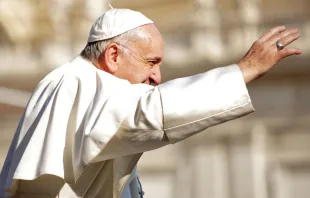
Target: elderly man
x,y
89,121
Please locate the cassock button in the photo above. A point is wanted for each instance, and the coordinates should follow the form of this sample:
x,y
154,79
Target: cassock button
x,y
141,193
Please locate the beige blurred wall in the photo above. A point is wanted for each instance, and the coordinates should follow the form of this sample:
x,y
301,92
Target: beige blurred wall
x,y
263,155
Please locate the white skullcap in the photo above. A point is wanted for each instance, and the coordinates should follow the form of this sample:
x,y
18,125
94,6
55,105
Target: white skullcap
x,y
115,22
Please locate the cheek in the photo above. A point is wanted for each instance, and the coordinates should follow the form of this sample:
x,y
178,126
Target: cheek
x,y
140,75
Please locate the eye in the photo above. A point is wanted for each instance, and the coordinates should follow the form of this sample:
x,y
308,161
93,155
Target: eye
x,y
152,63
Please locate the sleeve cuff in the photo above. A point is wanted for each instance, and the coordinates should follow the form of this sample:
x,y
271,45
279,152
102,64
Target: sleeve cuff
x,y
192,104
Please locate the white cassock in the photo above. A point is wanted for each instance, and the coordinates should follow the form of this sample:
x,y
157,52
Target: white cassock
x,y
84,130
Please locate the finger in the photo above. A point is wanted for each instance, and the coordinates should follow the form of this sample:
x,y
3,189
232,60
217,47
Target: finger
x,y
290,38
288,52
272,32
283,36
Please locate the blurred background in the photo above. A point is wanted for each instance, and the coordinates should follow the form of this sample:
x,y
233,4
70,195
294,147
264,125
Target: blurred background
x,y
263,155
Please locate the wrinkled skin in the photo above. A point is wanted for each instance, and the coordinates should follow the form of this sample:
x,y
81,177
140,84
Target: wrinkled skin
x,y
264,55
139,62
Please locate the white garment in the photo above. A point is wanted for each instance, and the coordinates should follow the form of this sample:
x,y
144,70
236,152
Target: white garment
x,y
114,123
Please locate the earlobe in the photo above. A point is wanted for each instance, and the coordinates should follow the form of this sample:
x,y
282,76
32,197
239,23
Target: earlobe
x,y
111,57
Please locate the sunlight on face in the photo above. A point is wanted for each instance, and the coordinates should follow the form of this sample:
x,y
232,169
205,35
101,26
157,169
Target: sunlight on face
x,y
141,59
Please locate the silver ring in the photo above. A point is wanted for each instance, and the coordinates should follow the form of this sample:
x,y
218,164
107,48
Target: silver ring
x,y
279,45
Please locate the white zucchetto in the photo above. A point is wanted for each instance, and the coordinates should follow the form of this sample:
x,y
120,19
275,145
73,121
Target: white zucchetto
x,y
115,22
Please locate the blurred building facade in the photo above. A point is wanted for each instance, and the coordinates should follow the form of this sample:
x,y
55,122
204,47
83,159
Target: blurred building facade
x,y
264,155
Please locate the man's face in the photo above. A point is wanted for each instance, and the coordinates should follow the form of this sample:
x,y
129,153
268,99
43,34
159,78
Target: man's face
x,y
140,60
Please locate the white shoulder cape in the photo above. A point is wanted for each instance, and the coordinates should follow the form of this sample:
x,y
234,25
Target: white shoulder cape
x,y
138,117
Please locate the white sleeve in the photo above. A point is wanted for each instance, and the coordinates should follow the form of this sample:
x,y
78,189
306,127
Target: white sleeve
x,y
143,118
195,103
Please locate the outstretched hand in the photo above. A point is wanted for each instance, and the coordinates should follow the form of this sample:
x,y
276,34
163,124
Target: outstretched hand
x,y
264,53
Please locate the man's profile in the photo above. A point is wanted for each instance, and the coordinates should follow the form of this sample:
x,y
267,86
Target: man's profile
x,y
89,121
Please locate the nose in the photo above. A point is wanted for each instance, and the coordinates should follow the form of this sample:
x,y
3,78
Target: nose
x,y
156,75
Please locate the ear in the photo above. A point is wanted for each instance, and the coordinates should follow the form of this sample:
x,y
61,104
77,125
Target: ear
x,y
111,58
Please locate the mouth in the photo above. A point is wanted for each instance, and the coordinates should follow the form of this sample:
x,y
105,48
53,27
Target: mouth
x,y
149,82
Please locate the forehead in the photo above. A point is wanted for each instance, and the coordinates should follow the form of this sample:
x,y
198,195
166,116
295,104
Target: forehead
x,y
153,45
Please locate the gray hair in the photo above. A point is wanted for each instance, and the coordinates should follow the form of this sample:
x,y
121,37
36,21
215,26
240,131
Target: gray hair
x,y
93,50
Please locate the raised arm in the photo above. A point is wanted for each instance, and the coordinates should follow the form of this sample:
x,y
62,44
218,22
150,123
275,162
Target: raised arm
x,y
143,118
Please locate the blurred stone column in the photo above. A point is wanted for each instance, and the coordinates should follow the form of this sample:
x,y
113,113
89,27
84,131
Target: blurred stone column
x,y
210,170
258,144
95,8
184,175
59,15
241,37
281,186
249,13
88,12
221,170
16,24
57,50
206,39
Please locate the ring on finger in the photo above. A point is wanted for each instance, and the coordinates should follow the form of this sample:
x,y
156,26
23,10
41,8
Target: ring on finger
x,y
279,45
